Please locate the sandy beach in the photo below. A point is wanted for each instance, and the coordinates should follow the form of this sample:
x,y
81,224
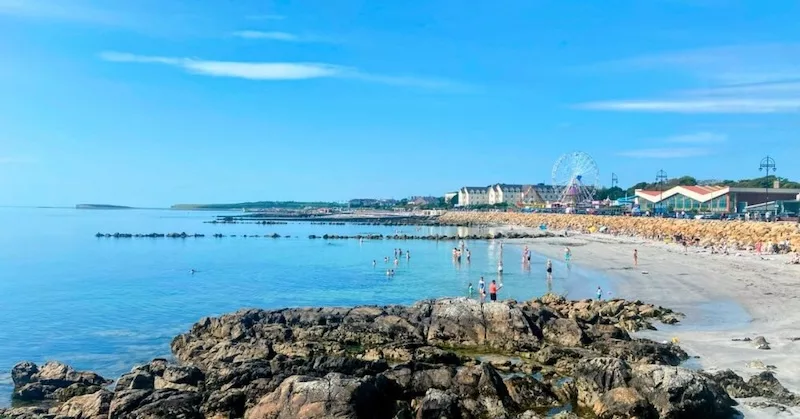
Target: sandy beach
x,y
764,286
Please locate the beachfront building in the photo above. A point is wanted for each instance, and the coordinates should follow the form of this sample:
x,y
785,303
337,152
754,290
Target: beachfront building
x,y
509,194
714,199
502,193
471,196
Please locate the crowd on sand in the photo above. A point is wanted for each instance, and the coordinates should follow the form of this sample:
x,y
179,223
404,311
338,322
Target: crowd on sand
x,y
715,235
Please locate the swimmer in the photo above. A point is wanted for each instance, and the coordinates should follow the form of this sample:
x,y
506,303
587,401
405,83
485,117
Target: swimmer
x,y
192,271
396,261
499,268
392,271
469,255
408,255
388,272
386,259
374,262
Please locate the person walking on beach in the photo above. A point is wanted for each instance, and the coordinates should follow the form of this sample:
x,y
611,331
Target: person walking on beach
x,y
493,290
635,257
549,270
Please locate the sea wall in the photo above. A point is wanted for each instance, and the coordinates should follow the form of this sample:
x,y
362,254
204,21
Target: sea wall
x,y
736,234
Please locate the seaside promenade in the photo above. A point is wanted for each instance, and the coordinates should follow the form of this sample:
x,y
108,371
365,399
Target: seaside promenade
x,y
736,235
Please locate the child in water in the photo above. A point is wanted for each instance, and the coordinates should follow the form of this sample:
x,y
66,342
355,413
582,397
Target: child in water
x,y
470,290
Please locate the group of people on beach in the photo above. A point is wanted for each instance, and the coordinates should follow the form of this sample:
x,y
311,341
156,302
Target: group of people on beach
x,y
494,286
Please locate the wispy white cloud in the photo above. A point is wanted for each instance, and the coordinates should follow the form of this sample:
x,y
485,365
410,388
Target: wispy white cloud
x,y
699,105
754,63
282,36
665,153
766,80
698,138
789,87
273,36
280,71
243,70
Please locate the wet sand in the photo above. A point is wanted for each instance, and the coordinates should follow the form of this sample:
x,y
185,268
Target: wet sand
x,y
724,296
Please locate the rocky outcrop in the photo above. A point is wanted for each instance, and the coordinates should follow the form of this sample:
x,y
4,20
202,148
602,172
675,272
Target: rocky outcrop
x,y
446,358
53,380
612,388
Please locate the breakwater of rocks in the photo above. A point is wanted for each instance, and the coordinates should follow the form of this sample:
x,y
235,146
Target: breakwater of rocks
x,y
234,221
744,235
426,221
443,237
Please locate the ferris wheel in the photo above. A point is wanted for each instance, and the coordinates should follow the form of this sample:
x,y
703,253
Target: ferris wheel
x,y
577,177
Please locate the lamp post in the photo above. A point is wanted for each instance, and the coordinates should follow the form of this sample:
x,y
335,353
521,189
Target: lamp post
x,y
767,164
661,176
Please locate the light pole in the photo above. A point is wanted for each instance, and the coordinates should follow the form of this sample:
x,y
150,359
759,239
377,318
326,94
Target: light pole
x,y
661,176
767,164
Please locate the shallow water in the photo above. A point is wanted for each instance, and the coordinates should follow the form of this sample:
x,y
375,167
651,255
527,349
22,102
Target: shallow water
x,y
106,304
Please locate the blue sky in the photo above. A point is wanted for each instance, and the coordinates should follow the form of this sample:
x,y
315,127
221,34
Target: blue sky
x,y
159,102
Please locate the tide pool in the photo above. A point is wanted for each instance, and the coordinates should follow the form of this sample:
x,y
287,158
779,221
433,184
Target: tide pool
x,y
106,304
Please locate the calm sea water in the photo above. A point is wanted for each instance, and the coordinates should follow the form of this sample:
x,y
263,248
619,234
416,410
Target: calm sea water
x,y
107,304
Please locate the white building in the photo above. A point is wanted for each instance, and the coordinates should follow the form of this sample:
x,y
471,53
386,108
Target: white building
x,y
470,196
501,193
510,194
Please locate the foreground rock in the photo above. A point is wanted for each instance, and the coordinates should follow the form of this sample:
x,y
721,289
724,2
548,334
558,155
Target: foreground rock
x,y
53,380
446,358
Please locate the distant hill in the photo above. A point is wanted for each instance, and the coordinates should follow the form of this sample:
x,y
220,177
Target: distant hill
x,y
256,205
101,207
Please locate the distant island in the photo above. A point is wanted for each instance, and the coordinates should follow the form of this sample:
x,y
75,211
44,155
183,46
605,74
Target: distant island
x,y
101,207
